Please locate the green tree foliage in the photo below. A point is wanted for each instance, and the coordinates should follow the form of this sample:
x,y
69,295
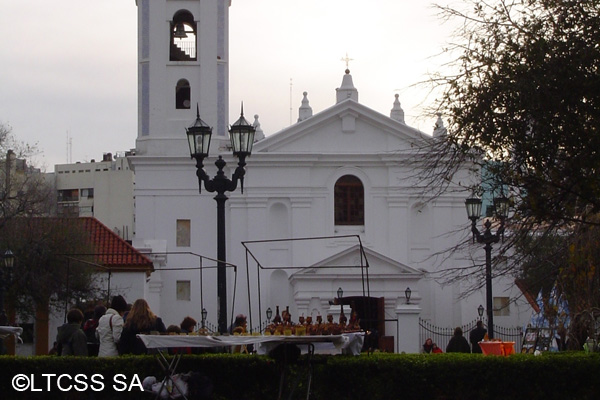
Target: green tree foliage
x,y
522,103
566,267
42,275
526,102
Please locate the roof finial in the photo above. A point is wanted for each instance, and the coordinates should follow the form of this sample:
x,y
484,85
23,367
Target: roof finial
x,y
259,134
347,90
439,130
397,112
305,110
347,61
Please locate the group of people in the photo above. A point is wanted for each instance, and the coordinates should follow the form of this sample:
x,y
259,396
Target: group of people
x,y
458,343
114,329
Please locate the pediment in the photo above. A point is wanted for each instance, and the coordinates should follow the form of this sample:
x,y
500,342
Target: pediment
x,y
348,262
347,127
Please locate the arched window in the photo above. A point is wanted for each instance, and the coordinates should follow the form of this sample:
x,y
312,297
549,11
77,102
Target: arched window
x,y
349,201
182,94
183,37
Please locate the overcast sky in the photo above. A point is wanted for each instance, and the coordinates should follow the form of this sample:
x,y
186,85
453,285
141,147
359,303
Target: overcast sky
x,y
69,68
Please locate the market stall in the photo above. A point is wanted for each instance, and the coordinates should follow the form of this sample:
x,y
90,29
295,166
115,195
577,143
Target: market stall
x,y
351,341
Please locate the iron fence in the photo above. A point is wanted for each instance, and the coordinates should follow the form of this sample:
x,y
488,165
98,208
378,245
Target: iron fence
x,y
261,327
208,326
441,336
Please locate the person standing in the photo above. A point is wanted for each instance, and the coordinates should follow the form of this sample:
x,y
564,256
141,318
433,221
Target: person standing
x,y
89,328
71,339
458,343
477,336
110,327
139,320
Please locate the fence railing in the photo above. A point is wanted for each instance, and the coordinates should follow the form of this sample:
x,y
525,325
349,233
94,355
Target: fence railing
x,y
441,336
208,326
260,327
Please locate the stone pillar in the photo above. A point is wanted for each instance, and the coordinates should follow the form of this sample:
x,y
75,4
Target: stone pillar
x,y
408,328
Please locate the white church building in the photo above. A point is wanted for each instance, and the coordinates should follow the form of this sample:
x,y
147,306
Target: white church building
x,y
337,179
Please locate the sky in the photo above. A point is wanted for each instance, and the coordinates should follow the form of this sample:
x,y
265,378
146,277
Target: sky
x,y
68,77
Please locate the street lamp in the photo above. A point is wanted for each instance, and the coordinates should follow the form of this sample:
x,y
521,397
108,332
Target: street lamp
x,y
473,205
204,314
241,134
6,264
480,311
407,294
340,293
269,315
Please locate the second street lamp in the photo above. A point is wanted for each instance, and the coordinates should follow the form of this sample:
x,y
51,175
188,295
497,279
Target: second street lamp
x,y
7,261
241,134
473,205
204,314
340,293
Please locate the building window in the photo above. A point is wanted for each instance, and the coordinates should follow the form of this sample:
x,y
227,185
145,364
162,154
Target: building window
x,y
68,195
349,201
184,290
87,193
183,37
182,94
183,233
67,210
501,306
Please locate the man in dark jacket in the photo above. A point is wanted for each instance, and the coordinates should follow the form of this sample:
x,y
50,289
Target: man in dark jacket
x,y
458,343
71,339
477,336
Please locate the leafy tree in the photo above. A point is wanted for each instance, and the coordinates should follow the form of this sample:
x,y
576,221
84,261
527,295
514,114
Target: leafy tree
x,y
39,242
45,276
525,102
566,267
522,102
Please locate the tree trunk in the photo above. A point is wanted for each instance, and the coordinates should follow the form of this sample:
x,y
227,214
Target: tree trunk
x,y
41,329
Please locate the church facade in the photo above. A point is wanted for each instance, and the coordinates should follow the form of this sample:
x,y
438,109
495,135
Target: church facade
x,y
330,202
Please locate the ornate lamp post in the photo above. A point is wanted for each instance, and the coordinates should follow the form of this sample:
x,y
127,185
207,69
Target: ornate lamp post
x,y
204,314
340,293
241,134
6,263
480,311
407,294
473,205
269,315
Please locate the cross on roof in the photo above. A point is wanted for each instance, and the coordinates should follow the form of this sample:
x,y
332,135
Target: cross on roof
x,y
347,60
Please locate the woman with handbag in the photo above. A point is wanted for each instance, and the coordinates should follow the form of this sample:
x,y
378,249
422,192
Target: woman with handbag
x,y
110,327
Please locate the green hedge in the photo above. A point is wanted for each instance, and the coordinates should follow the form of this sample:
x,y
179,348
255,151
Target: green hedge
x,y
561,376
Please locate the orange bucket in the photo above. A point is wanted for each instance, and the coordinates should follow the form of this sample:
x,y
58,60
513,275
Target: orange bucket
x,y
491,348
508,348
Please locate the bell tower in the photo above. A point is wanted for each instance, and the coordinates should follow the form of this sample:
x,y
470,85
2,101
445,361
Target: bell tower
x,y
182,61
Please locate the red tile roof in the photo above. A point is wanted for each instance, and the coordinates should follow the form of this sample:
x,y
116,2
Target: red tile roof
x,y
112,251
108,250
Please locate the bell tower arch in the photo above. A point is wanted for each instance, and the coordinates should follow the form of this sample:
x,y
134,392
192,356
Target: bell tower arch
x,y
183,56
